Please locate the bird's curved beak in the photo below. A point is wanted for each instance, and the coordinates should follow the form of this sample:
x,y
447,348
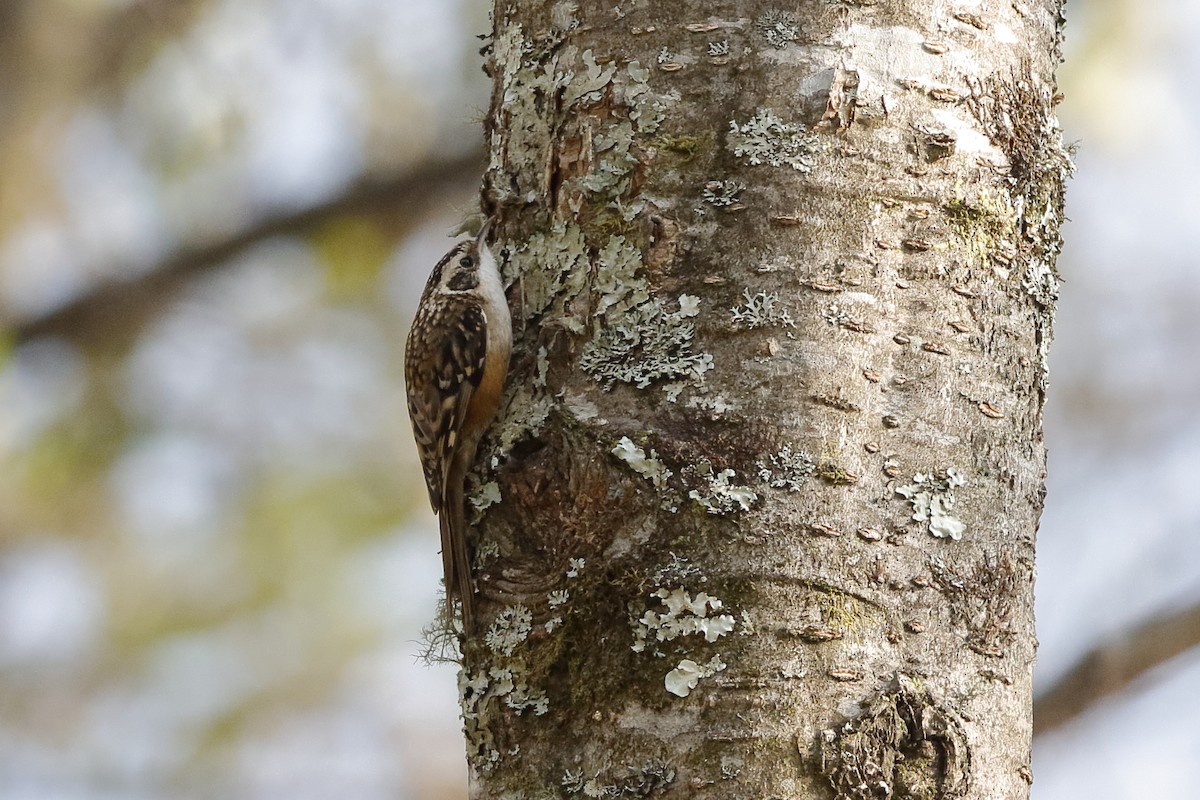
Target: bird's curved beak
x,y
481,237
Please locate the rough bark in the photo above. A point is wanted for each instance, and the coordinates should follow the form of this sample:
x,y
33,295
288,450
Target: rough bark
x,y
758,520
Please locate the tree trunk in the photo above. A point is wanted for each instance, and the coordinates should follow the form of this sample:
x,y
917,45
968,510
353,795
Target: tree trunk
x,y
758,520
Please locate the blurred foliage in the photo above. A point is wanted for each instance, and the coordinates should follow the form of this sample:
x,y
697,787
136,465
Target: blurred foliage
x,y
204,508
354,251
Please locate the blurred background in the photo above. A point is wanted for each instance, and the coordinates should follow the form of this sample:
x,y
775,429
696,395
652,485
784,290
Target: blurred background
x,y
216,554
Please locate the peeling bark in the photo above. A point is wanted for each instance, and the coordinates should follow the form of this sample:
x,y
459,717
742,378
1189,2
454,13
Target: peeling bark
x,y
758,519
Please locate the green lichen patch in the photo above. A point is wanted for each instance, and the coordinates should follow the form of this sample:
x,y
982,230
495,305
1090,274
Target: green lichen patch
x,y
586,274
1017,113
685,146
986,223
529,82
603,220
615,160
590,83
835,474
618,286
842,612
610,110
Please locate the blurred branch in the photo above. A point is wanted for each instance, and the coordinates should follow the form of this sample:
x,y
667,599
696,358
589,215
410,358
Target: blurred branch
x,y
115,306
130,36
1113,665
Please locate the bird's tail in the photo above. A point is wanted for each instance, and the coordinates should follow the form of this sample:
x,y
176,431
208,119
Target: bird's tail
x,y
456,556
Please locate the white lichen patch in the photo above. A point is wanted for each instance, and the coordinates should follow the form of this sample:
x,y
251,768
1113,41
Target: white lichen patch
x,y
932,499
635,338
558,598
689,305
522,698
685,677
526,416
762,310
543,368
612,153
517,150
723,194
505,680
527,413
648,466
486,552
643,780
614,161
581,408
684,616
553,268
508,630
510,684
715,405
677,614
480,691
786,469
835,314
646,344
766,139
677,571
573,781
721,495
617,285
589,84
646,109
1041,282
779,28
575,566
487,495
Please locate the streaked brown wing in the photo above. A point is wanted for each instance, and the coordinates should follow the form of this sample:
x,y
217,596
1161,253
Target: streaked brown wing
x,y
443,363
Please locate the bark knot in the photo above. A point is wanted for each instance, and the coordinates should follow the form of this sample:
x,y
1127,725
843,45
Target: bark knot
x,y
905,744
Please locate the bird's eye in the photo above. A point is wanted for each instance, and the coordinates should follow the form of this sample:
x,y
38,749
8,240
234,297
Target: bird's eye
x,y
466,262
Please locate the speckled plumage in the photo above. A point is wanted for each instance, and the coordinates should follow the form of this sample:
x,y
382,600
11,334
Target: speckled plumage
x,y
455,362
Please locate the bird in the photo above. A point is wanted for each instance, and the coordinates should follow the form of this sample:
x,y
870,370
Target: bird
x,y
455,366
